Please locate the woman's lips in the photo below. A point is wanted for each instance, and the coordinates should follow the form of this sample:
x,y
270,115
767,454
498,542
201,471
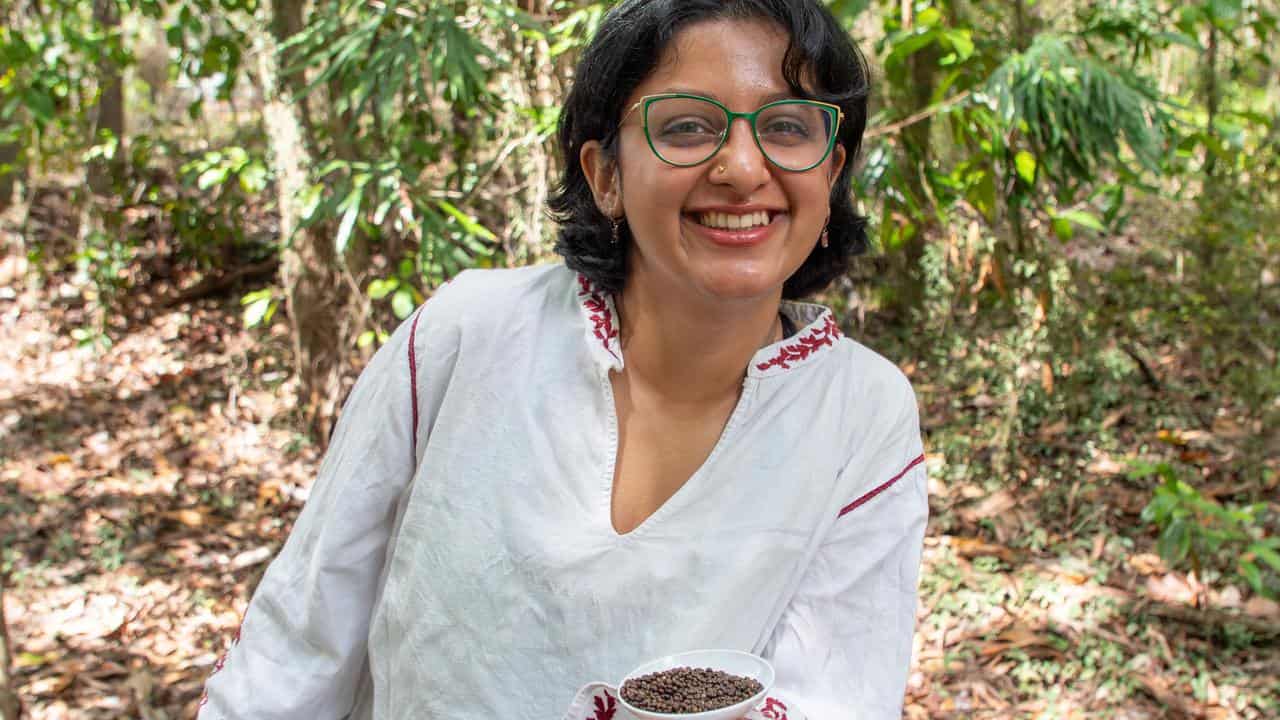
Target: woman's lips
x,y
736,238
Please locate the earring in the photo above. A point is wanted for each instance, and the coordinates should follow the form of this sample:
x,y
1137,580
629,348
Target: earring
x,y
614,222
823,239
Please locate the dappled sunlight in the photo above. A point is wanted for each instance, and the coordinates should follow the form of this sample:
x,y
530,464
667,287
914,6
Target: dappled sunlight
x,y
156,484
1071,212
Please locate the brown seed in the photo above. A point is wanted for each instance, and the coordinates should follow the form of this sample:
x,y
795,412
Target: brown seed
x,y
688,690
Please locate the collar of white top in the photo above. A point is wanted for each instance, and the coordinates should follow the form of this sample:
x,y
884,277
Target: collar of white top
x,y
817,333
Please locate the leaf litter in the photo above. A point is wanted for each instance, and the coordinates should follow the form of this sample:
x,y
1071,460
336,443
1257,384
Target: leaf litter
x,y
144,488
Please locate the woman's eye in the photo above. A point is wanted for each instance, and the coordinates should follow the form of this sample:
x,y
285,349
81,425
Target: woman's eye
x,y
687,127
783,126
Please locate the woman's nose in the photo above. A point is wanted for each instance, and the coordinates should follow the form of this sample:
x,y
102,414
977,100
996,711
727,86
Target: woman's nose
x,y
745,167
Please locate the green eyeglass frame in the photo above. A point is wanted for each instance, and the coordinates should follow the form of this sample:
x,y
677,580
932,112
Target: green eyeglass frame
x,y
835,114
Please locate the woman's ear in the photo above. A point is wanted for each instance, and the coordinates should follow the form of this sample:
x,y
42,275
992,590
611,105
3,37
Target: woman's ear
x,y
837,164
601,172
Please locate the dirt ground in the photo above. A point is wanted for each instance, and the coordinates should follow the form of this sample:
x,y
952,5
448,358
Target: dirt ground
x,y
145,485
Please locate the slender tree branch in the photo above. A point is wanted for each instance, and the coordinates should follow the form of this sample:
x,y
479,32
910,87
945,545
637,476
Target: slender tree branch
x,y
918,117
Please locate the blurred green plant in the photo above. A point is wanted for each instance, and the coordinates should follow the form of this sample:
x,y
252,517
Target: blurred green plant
x,y
208,211
1205,534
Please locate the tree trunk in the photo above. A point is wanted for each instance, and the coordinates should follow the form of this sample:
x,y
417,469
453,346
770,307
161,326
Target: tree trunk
x,y
110,116
9,149
1212,100
1021,37
922,70
315,297
8,173
10,705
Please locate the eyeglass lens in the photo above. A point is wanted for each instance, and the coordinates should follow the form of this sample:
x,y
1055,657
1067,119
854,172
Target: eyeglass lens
x,y
687,131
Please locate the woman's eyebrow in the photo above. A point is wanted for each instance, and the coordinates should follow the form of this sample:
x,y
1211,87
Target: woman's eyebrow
x,y
765,100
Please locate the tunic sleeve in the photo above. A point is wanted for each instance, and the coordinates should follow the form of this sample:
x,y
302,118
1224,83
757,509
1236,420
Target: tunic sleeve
x,y
301,651
842,647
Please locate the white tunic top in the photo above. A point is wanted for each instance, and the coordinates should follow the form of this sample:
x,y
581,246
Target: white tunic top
x,y
456,559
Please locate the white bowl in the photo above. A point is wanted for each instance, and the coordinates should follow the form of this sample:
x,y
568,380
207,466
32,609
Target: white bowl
x,y
735,662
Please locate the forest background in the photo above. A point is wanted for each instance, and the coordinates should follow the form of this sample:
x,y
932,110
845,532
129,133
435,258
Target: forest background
x,y
215,210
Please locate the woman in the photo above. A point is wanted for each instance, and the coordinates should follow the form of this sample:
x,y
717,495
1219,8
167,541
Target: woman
x,y
550,475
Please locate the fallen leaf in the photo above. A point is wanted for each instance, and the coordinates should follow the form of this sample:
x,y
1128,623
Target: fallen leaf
x,y
1099,547
1105,465
1020,637
1072,577
179,412
1048,432
1171,588
30,659
1112,419
108,669
249,558
1261,607
995,504
1147,564
58,678
1229,597
1195,457
936,665
188,517
971,547
50,685
269,493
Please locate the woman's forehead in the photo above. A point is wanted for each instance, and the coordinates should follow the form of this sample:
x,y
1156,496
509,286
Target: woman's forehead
x,y
728,60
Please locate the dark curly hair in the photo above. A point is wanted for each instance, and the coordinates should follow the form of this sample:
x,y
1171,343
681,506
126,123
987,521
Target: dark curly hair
x,y
627,49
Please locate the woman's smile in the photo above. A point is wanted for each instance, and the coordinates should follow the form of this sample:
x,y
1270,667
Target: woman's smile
x,y
735,228
733,225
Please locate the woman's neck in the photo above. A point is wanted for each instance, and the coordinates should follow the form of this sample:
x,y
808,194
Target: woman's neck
x,y
691,348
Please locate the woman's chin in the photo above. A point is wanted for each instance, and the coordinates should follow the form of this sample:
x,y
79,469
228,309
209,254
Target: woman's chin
x,y
742,284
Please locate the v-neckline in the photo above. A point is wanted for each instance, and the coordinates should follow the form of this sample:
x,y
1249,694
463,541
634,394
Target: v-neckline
x,y
691,483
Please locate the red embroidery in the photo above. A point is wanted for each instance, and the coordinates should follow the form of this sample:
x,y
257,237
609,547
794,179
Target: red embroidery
x,y
218,664
413,372
221,662
774,709
601,316
805,345
854,505
235,639
605,708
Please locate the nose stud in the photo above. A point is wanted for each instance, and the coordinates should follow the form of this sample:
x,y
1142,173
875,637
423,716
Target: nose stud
x,y
721,169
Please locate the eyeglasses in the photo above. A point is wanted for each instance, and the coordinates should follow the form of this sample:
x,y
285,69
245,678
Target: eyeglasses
x,y
686,130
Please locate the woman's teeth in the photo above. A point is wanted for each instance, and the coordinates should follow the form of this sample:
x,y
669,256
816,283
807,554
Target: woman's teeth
x,y
727,221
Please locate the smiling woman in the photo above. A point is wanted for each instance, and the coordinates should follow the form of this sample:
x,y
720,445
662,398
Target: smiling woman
x,y
780,50
554,474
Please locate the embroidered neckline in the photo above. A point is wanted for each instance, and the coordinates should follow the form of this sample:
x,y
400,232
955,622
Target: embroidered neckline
x,y
804,345
600,313
821,331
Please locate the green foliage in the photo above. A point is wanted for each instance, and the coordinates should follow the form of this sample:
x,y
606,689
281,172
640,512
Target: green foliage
x,y
398,290
1074,206
259,307
1077,113
1199,529
419,126
48,64
579,24
207,212
209,42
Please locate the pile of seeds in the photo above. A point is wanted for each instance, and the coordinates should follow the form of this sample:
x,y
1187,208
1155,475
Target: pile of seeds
x,y
688,690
